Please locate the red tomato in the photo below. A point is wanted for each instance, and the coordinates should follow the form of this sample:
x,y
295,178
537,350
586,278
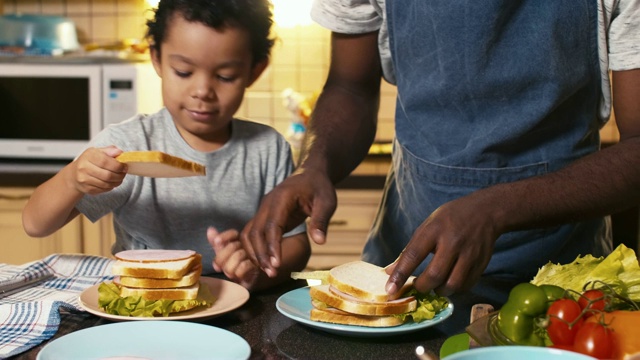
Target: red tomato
x,y
594,339
564,321
593,300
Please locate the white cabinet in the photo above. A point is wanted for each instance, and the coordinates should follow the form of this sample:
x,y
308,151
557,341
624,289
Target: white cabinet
x,y
16,247
348,229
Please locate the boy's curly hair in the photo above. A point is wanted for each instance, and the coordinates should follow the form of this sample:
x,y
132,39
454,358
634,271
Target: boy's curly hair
x,y
253,15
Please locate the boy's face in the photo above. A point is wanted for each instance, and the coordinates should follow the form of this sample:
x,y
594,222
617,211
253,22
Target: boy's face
x,y
204,75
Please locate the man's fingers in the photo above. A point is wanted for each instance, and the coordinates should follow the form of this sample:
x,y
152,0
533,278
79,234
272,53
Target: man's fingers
x,y
436,275
410,258
318,222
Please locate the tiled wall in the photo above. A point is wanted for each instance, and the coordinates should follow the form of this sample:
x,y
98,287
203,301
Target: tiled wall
x,y
300,58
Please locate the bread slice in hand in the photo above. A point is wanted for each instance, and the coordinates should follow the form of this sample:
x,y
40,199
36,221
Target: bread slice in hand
x,y
159,165
364,281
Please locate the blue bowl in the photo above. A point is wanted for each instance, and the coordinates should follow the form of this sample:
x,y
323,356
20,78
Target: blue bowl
x,y
517,352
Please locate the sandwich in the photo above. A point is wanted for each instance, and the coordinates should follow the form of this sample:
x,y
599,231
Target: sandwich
x,y
154,283
354,294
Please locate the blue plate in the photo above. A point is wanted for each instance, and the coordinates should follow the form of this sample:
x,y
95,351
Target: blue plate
x,y
148,340
517,352
296,305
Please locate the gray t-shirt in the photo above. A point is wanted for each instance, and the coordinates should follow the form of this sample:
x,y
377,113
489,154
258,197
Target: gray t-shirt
x,y
174,213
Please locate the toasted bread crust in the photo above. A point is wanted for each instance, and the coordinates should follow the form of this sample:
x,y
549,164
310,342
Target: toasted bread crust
x,y
329,316
322,293
157,157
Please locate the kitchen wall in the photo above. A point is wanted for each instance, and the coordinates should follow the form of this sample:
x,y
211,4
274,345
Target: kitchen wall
x,y
300,58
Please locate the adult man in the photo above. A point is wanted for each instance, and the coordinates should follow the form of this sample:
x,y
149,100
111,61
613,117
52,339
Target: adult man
x,y
496,164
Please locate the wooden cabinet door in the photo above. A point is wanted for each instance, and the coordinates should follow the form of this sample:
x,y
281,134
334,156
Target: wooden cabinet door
x,y
348,229
98,237
16,247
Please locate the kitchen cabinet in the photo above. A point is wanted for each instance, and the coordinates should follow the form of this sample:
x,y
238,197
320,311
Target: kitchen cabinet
x,y
16,247
78,236
98,237
348,229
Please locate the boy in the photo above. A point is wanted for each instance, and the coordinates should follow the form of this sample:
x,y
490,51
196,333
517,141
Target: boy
x,y
207,53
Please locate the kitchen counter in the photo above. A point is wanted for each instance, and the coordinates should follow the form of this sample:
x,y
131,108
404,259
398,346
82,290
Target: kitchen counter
x,y
271,335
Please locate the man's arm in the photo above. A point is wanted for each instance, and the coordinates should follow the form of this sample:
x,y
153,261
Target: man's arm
x,y
340,133
343,124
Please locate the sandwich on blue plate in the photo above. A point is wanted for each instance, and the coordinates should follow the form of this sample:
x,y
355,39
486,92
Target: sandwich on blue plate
x,y
354,294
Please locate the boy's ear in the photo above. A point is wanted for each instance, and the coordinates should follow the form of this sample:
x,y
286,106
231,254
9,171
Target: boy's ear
x,y
155,60
257,70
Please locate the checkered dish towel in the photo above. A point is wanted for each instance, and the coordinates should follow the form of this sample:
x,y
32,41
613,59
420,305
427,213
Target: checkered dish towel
x,y
29,317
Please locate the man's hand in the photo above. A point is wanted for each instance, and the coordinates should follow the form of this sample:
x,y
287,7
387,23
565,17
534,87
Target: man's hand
x,y
461,235
303,194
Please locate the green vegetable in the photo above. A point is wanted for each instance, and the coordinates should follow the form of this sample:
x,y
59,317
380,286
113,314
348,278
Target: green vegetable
x,y
516,319
110,301
619,269
553,292
428,306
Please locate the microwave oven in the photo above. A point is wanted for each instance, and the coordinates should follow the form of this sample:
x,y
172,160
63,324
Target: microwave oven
x,y
50,111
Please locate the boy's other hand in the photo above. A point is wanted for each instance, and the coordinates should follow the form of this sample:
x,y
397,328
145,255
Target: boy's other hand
x,y
97,171
231,258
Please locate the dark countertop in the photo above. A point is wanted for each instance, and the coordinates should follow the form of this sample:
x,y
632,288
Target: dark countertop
x,y
271,335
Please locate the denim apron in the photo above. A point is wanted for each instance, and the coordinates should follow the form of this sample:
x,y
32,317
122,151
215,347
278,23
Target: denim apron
x,y
489,92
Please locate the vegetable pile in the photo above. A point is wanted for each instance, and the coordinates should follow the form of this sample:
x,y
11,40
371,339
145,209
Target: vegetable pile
x,y
590,306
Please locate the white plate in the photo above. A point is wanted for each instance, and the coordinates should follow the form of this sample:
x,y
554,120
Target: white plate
x,y
229,296
296,304
157,340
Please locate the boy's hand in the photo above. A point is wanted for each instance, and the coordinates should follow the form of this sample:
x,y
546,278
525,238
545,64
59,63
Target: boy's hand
x,y
231,258
97,171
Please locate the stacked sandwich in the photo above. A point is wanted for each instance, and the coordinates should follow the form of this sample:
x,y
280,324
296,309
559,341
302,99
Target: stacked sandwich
x,y
355,295
154,282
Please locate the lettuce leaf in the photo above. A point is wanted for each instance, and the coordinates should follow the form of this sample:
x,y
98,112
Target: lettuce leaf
x,y
110,301
619,269
428,306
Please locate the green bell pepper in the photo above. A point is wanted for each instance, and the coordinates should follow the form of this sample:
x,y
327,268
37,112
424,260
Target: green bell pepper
x,y
526,302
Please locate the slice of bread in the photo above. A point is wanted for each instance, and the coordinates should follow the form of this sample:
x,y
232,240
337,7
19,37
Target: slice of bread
x,y
351,305
158,164
336,316
183,293
156,270
189,279
364,281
